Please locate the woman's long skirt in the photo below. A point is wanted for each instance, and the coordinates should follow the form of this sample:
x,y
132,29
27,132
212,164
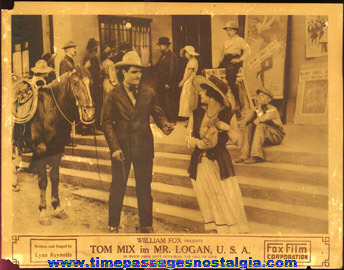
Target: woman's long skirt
x,y
220,201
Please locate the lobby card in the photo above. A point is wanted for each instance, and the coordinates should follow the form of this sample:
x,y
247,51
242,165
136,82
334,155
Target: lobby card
x,y
280,208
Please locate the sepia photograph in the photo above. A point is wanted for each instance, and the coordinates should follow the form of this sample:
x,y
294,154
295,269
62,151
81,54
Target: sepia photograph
x,y
209,127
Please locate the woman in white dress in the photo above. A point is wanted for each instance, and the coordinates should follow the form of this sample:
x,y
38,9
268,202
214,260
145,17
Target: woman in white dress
x,y
211,168
189,96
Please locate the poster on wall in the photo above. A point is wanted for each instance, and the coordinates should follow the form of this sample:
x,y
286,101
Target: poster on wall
x,y
311,103
264,68
316,36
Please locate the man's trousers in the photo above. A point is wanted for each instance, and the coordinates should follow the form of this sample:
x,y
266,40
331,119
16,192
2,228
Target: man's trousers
x,y
255,136
143,177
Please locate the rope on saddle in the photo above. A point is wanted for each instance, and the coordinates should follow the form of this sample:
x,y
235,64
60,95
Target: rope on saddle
x,y
25,101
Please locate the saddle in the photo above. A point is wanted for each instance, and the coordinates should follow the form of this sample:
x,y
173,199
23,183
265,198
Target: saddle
x,y
25,101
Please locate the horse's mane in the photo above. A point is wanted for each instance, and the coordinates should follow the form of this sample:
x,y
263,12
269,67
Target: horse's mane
x,y
82,71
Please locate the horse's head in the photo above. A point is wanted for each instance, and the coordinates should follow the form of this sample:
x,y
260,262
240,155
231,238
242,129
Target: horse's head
x,y
79,80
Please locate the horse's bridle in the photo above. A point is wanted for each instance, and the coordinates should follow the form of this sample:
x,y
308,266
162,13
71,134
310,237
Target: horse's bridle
x,y
76,101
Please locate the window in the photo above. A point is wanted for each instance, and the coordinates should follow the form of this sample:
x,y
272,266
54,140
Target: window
x,y
136,31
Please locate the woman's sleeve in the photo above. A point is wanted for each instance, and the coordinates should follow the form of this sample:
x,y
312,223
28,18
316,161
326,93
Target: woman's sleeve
x,y
193,64
192,141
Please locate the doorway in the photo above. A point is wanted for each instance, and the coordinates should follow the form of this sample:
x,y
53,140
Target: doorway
x,y
27,42
194,30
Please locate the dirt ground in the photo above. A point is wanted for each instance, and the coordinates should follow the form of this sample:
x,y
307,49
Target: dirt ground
x,y
85,216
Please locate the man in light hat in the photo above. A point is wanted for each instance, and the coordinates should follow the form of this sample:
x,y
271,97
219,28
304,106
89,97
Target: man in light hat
x,y
41,71
126,124
166,68
91,62
235,51
67,63
263,126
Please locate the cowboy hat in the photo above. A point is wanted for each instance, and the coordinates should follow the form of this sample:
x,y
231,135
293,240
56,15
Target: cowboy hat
x,y
231,25
164,41
41,66
92,44
266,92
130,59
48,57
214,83
68,44
190,50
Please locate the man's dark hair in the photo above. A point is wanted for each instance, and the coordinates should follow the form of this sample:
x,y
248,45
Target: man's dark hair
x,y
119,73
211,92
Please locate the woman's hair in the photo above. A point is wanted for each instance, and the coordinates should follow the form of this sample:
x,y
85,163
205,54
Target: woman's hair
x,y
212,93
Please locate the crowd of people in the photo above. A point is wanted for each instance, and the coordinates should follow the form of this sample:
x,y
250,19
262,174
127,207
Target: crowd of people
x,y
124,106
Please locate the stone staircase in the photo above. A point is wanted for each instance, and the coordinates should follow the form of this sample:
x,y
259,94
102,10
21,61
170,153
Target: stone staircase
x,y
287,194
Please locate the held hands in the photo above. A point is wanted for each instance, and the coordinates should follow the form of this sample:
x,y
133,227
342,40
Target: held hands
x,y
167,128
118,155
220,125
180,84
236,60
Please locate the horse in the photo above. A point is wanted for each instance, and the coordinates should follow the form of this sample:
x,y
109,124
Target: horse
x,y
63,101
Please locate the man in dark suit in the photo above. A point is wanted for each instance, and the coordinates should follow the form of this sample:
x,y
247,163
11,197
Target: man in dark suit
x,y
166,69
91,62
67,63
126,124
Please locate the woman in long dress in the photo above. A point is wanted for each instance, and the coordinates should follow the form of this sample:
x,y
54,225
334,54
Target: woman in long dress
x,y
211,168
189,96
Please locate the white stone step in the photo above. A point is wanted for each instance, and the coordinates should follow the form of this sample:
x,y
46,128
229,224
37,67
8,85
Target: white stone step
x,y
169,210
276,154
171,179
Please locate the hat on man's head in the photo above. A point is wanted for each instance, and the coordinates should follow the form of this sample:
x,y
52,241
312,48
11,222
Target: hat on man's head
x,y
215,83
164,41
231,25
68,44
190,50
266,92
41,66
92,44
124,45
130,59
48,57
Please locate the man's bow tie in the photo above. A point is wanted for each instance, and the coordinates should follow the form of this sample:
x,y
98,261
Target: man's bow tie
x,y
134,90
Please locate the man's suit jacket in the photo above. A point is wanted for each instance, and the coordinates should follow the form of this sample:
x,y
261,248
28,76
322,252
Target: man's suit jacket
x,y
66,65
127,127
166,69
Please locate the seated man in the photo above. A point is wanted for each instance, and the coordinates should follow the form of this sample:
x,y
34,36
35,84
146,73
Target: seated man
x,y
267,128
